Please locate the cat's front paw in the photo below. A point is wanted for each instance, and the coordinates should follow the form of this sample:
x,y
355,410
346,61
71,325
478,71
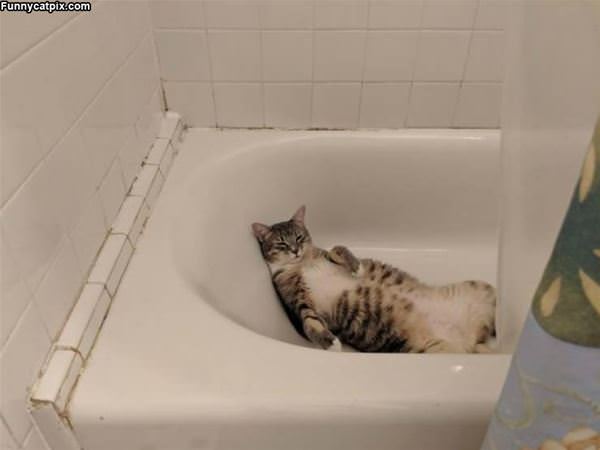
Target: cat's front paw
x,y
344,257
336,346
318,334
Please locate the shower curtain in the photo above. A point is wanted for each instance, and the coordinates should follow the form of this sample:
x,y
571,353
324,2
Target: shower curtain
x,y
551,397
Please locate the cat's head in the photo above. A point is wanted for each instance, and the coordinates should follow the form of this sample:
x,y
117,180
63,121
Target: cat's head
x,y
284,242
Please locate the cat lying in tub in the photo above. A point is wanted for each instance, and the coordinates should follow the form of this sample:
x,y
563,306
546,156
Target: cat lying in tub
x,y
332,296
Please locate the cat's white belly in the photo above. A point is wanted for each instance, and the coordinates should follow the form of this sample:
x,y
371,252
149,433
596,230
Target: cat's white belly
x,y
453,320
326,282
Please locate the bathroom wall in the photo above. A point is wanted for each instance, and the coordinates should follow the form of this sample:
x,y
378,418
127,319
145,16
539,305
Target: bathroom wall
x,y
552,101
332,63
79,110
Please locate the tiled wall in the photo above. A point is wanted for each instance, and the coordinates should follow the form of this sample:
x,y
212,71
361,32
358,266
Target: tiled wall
x,y
332,63
79,110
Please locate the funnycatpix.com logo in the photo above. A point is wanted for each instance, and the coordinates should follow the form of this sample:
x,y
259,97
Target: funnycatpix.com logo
x,y
49,7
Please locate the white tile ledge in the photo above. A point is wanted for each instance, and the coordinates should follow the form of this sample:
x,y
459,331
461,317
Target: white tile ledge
x,y
51,394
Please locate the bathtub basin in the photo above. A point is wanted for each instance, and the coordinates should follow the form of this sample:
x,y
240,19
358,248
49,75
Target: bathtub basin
x,y
197,353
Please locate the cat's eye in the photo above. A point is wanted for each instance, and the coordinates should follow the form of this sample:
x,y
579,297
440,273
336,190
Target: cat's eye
x,y
299,239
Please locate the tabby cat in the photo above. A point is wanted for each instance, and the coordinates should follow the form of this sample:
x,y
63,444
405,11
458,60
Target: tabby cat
x,y
332,296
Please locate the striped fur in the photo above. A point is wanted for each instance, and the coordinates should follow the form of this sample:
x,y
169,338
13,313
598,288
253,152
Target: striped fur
x,y
332,296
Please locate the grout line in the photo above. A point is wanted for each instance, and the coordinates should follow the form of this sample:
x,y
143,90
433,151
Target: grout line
x,y
38,167
210,67
464,71
39,42
399,29
304,82
10,432
364,65
414,68
313,61
261,57
32,304
74,124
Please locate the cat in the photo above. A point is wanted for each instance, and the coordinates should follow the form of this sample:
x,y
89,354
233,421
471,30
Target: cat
x,y
334,297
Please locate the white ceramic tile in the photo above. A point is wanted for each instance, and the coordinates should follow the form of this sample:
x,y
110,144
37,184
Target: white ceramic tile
x,y
32,227
23,122
143,85
486,57
35,441
130,160
148,184
492,14
111,263
69,166
154,191
335,105
148,124
45,91
85,320
390,55
277,14
194,101
109,122
479,105
132,22
88,233
158,151
6,440
58,290
112,192
20,361
183,55
339,55
395,14
21,151
288,105
231,14
169,125
19,32
177,13
235,55
449,13
162,154
178,136
341,14
15,294
239,105
287,55
56,433
131,219
432,105
441,55
59,377
384,105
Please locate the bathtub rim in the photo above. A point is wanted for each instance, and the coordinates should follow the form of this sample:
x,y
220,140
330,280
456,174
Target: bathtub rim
x,y
108,379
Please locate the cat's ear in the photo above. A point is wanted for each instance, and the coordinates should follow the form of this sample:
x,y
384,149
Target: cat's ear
x,y
260,231
298,216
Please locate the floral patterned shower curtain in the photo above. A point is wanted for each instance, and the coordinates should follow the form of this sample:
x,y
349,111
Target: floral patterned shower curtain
x,y
551,398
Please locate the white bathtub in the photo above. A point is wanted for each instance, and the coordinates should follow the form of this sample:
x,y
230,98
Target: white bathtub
x,y
197,353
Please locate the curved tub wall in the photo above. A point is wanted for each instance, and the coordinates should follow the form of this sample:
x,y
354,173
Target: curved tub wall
x,y
381,193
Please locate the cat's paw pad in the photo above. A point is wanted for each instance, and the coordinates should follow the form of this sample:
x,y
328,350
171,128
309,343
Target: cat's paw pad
x,y
336,346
